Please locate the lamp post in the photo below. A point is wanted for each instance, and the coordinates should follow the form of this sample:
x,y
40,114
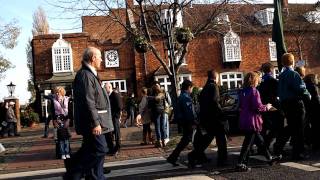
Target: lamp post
x,y
11,87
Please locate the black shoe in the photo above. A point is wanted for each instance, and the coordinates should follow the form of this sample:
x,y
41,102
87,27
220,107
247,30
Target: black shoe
x,y
274,159
17,135
173,162
242,168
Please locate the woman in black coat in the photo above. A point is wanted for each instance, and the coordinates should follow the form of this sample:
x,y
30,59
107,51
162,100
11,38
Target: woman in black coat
x,y
312,108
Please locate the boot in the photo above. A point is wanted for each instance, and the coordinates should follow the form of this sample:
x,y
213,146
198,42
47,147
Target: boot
x,y
144,139
163,143
158,144
150,138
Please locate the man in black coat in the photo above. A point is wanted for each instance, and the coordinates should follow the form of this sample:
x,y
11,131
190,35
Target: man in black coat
x,y
92,118
116,107
273,121
211,119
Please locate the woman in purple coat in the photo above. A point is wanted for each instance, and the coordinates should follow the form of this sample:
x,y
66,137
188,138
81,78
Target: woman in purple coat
x,y
251,120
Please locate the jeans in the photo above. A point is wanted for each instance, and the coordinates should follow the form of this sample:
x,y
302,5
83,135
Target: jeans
x,y
167,125
161,126
64,147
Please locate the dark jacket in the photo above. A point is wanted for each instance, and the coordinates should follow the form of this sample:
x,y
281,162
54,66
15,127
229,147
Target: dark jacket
x,y
291,86
313,106
268,90
91,103
185,110
116,104
210,109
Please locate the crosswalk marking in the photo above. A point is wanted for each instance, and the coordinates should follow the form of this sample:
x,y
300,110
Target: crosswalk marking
x,y
190,177
300,166
316,164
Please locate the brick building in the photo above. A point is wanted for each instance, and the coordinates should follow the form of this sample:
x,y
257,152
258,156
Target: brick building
x,y
243,46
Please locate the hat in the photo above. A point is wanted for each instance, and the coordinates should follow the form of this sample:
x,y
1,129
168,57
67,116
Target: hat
x,y
11,103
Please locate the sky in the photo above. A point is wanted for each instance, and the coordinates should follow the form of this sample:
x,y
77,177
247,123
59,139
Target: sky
x,y
22,10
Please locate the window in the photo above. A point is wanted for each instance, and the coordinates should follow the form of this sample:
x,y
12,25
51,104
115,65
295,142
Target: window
x,y
111,58
276,72
62,56
166,84
272,50
313,17
178,55
265,16
231,80
167,14
121,85
231,48
222,19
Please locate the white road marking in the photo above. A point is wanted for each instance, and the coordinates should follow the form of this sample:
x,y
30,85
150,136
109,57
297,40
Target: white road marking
x,y
190,177
316,164
62,170
300,166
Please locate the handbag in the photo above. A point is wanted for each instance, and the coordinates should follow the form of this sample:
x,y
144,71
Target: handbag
x,y
4,123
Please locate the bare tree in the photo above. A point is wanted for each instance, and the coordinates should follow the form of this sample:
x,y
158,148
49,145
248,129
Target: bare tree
x,y
147,24
40,24
8,39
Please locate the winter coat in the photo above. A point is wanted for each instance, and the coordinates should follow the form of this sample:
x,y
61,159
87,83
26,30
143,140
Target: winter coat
x,y
250,107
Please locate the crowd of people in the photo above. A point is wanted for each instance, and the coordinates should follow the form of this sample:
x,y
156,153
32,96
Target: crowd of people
x,y
8,120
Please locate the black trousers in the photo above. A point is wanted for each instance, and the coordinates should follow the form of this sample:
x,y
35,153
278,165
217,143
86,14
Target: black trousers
x,y
88,159
117,135
294,111
205,141
273,123
249,139
184,141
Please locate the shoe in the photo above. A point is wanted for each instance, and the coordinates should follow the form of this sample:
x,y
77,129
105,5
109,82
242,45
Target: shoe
x,y
163,143
242,168
172,161
158,144
106,171
166,141
63,157
68,156
17,135
274,159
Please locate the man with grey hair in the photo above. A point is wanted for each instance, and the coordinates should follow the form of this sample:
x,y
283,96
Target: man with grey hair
x,y
92,118
116,107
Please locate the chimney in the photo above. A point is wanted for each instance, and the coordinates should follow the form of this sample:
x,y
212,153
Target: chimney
x,y
284,4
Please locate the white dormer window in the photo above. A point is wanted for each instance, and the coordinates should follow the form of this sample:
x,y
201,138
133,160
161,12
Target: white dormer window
x,y
313,17
62,56
111,58
231,47
272,50
265,16
222,19
167,14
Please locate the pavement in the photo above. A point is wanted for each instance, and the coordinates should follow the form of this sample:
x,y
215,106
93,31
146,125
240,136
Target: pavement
x,y
31,152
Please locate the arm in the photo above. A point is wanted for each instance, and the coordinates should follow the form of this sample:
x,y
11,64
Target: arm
x,y
142,105
299,86
256,102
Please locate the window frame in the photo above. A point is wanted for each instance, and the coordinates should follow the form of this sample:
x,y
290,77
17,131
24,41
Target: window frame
x,y
272,49
228,80
166,81
113,83
231,47
61,45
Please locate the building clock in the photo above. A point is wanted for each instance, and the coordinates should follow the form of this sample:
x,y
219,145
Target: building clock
x,y
111,58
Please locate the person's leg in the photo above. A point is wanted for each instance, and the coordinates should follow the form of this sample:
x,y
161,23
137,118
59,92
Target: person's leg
x,y
46,128
222,148
157,129
67,147
185,140
109,141
167,125
11,129
117,134
144,134
163,129
262,146
246,145
62,149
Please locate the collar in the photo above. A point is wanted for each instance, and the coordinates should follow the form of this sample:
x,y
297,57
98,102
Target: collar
x,y
92,69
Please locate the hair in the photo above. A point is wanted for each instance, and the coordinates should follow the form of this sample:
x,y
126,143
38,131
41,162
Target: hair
x,y
212,74
89,53
155,88
250,79
60,90
186,84
311,79
267,67
144,91
287,59
301,70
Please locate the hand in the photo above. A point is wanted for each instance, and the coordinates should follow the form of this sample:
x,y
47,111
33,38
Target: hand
x,y
269,106
97,130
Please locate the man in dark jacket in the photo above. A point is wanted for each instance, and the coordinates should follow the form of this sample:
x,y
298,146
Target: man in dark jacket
x,y
92,120
116,107
292,90
187,119
273,121
211,119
